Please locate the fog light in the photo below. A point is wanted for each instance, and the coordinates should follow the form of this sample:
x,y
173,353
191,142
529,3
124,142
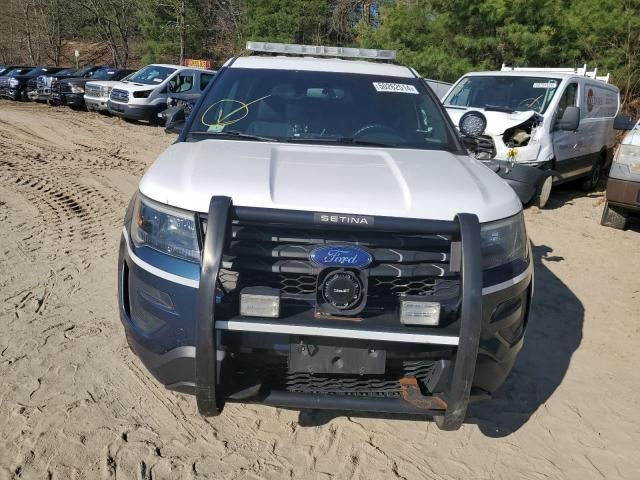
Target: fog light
x,y
260,302
415,312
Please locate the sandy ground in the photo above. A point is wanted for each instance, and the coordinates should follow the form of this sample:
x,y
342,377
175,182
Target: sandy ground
x,y
75,403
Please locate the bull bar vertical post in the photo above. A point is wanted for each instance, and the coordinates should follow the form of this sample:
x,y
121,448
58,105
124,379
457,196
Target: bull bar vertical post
x,y
470,324
218,229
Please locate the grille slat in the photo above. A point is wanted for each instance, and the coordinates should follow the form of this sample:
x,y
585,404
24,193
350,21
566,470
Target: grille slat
x,y
303,267
118,95
92,91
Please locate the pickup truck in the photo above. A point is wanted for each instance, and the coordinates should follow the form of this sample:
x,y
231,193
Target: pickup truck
x,y
72,90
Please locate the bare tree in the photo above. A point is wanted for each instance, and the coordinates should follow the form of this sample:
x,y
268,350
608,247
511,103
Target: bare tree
x,y
114,22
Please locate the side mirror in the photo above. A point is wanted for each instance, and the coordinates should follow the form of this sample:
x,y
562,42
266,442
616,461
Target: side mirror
x,y
174,119
570,120
623,122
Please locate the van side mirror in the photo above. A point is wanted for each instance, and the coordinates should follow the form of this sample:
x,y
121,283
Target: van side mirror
x,y
570,120
174,119
623,122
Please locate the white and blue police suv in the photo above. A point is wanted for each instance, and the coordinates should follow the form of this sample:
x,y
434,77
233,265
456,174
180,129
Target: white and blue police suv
x,y
318,238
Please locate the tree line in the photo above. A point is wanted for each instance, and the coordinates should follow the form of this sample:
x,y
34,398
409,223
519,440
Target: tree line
x,y
442,39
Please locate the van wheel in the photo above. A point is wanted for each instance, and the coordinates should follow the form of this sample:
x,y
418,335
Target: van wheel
x,y
544,192
613,217
595,180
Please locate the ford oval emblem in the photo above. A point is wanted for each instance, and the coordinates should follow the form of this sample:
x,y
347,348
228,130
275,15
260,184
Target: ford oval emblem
x,y
341,256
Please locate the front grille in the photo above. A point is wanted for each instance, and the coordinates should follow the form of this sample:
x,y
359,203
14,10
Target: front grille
x,y
482,144
118,95
274,375
4,82
278,257
63,87
92,91
56,88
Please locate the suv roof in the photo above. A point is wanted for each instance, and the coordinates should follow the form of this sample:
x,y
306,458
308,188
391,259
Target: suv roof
x,y
321,65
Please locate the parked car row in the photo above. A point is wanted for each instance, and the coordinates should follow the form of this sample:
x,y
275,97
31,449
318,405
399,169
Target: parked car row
x,y
131,94
534,127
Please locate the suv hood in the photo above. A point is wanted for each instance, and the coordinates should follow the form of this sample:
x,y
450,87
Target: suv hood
x,y
497,122
367,181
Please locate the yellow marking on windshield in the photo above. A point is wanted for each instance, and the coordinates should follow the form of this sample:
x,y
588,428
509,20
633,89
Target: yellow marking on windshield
x,y
225,120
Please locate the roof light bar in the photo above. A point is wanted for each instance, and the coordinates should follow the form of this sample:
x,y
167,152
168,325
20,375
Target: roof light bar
x,y
321,51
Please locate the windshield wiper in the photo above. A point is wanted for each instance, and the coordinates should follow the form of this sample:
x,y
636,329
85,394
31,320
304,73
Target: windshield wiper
x,y
341,141
234,134
497,108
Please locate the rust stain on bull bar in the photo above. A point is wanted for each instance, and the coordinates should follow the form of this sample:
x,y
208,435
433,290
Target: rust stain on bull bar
x,y
410,392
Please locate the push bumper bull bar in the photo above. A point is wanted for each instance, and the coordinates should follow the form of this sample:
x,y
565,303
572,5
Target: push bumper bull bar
x,y
448,408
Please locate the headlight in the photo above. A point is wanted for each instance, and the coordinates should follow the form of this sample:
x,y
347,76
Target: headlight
x,y
165,229
503,241
142,93
472,123
105,91
77,89
629,155
14,82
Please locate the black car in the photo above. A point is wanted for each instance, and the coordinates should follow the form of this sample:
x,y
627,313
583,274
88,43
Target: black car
x,y
5,69
14,85
54,96
71,90
10,81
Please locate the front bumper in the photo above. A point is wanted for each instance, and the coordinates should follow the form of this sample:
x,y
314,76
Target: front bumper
x,y
624,194
11,93
72,99
525,179
133,112
204,352
96,104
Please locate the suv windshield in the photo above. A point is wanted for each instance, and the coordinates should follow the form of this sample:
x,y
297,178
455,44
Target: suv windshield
x,y
19,71
151,75
322,107
507,93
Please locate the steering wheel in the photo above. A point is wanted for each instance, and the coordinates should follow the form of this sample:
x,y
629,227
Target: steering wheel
x,y
373,126
532,103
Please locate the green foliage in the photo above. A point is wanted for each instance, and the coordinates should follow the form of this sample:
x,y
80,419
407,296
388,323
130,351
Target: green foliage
x,y
289,21
443,39
161,27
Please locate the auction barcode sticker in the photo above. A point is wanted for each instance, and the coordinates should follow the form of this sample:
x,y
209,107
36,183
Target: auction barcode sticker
x,y
395,87
545,85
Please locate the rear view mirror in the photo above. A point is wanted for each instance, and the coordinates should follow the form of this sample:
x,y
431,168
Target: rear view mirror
x,y
570,119
623,122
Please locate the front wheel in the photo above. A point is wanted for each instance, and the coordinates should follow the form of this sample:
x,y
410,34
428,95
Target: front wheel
x,y
613,217
544,192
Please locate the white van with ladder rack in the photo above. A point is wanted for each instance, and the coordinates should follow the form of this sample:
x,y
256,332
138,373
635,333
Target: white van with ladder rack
x,y
558,120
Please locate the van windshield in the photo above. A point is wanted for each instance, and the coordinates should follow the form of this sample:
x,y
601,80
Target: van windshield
x,y
506,93
151,75
320,108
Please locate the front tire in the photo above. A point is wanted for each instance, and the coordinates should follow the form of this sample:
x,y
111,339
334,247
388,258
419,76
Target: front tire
x,y
613,217
544,192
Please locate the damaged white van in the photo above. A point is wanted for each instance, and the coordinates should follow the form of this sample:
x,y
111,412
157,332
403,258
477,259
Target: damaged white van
x,y
555,119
